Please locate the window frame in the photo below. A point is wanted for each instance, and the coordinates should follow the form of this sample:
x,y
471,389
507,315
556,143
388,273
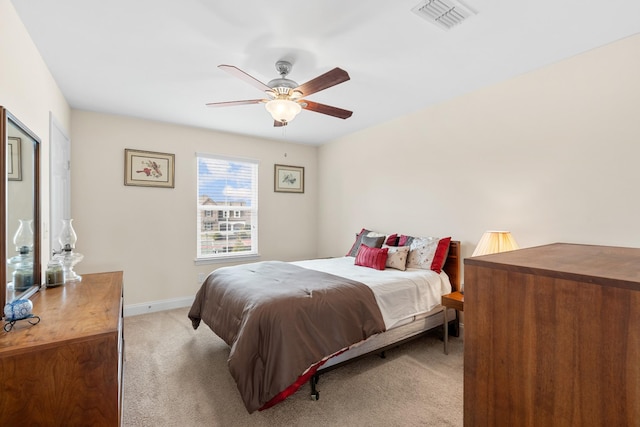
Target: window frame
x,y
250,226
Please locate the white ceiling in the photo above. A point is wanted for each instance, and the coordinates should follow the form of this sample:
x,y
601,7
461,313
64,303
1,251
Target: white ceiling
x,y
157,59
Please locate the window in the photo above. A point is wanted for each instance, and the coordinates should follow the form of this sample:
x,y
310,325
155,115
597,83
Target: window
x,y
227,207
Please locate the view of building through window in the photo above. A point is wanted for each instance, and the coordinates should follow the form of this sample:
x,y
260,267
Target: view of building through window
x,y
227,207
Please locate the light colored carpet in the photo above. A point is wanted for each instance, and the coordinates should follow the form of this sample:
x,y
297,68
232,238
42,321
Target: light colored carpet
x,y
177,376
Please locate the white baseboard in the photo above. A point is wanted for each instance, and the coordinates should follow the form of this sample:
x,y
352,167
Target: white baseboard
x,y
153,306
169,304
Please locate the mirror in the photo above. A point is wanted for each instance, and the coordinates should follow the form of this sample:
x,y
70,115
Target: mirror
x,y
20,251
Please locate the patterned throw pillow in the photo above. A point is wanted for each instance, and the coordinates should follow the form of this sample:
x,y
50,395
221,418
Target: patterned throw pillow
x,y
428,253
372,257
397,257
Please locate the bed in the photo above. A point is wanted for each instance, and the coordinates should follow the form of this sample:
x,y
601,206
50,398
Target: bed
x,y
286,322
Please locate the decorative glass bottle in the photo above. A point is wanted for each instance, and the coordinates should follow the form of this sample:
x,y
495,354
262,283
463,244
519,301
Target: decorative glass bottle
x,y
54,273
23,271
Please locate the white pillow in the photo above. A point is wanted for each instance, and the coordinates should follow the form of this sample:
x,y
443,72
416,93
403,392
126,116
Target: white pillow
x,y
397,257
422,252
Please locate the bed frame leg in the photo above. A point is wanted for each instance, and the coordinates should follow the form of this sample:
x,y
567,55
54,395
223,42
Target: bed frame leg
x,y
315,394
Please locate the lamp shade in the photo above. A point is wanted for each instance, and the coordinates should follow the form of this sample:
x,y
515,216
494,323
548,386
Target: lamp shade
x,y
495,241
283,110
23,239
68,236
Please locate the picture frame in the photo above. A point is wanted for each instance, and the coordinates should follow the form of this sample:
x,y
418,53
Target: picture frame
x,y
288,179
14,159
149,168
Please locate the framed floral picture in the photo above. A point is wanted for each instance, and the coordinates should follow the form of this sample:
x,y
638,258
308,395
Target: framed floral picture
x,y
289,179
149,169
14,159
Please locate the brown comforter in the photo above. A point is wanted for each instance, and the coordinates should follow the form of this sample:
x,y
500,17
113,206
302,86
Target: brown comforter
x,y
279,319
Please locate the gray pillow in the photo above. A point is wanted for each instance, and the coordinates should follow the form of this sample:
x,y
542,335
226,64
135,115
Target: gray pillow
x,y
372,242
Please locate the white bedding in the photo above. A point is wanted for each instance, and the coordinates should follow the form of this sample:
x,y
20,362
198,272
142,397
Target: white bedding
x,y
401,295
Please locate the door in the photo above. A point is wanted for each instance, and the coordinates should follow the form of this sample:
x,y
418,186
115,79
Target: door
x,y
59,181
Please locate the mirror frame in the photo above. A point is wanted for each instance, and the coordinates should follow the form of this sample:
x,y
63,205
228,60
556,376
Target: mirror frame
x,y
5,117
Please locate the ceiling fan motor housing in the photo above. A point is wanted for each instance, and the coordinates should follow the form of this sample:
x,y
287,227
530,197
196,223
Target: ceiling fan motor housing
x,y
283,85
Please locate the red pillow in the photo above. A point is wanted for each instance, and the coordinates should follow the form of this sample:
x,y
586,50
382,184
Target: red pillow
x,y
441,254
392,240
372,257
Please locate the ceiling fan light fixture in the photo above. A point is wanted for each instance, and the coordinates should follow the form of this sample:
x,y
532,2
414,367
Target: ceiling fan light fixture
x,y
283,110
295,94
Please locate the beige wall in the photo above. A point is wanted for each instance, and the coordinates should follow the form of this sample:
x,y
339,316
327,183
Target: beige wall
x,y
30,93
150,233
551,155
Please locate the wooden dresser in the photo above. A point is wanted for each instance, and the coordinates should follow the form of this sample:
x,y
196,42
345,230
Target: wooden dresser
x,y
552,337
67,369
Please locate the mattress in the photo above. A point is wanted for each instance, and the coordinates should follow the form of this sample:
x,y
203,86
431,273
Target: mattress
x,y
401,295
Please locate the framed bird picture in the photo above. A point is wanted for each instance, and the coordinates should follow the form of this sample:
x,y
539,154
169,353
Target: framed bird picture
x,y
149,169
288,179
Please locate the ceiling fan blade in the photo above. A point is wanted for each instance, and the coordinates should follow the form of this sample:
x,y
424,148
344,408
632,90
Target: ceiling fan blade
x,y
233,103
326,109
237,72
326,80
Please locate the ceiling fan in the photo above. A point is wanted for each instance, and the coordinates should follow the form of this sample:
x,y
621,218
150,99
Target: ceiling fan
x,y
284,96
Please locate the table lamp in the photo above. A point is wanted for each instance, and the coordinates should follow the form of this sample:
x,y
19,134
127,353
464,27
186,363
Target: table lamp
x,y
493,242
67,255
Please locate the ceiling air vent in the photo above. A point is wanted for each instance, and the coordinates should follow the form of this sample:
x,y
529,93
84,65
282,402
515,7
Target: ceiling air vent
x,y
444,13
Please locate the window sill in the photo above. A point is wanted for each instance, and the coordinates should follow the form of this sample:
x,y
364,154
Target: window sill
x,y
226,259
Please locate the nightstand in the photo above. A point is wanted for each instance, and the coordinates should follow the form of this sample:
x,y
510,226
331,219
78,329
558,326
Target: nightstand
x,y
453,300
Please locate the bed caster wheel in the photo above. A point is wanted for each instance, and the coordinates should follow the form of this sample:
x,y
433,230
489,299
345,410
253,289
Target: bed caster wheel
x,y
315,396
